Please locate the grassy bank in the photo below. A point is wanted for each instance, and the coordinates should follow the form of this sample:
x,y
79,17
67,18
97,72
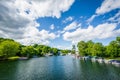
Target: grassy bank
x,y
118,58
14,58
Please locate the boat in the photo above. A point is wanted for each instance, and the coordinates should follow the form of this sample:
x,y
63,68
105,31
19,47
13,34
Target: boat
x,y
23,58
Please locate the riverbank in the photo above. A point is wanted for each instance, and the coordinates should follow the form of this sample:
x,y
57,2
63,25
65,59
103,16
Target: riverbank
x,y
14,58
113,61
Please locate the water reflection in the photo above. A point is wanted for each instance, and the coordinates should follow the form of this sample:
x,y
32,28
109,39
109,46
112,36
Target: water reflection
x,y
98,71
57,68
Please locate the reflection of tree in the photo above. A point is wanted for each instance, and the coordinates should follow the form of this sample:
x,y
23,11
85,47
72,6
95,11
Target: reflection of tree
x,y
73,49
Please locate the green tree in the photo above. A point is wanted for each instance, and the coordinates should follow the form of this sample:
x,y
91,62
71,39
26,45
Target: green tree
x,y
118,42
89,47
65,52
73,49
1,53
28,51
39,51
55,51
82,46
98,49
112,49
45,50
8,48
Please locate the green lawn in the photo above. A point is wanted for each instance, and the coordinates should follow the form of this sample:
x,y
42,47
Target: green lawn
x,y
14,58
118,58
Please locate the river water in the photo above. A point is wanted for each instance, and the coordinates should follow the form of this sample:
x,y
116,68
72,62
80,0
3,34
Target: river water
x,y
57,68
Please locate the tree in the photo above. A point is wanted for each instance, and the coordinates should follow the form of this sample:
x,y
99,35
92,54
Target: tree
x,y
82,46
28,51
39,51
9,48
98,49
45,50
1,53
118,41
64,52
89,47
112,49
73,49
35,45
55,51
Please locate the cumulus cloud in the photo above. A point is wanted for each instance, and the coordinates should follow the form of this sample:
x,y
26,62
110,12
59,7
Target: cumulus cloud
x,y
18,18
91,18
72,26
44,8
52,26
70,18
115,18
101,31
107,6
35,36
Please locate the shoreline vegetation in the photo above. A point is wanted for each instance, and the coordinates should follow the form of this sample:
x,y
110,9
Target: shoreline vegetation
x,y
12,50
90,48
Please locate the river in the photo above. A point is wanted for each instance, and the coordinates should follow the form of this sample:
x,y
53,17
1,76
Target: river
x,y
57,68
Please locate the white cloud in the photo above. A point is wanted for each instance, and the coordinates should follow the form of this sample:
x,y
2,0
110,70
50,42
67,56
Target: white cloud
x,y
115,18
72,26
44,8
52,26
70,18
101,31
107,6
18,18
91,18
63,47
35,36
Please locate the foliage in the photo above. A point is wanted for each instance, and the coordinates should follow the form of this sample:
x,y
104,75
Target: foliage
x,y
112,49
73,49
64,52
82,47
97,49
28,51
54,51
8,48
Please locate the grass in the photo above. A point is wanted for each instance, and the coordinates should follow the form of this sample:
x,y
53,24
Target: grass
x,y
118,58
13,58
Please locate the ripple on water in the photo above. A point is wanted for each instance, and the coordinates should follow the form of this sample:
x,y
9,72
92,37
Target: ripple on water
x,y
57,68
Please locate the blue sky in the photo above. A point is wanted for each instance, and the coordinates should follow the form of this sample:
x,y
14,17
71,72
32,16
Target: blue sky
x,y
60,23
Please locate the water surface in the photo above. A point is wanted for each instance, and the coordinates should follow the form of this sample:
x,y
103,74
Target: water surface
x,y
57,68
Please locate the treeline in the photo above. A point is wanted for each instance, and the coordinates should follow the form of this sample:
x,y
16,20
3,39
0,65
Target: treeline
x,y
9,48
90,48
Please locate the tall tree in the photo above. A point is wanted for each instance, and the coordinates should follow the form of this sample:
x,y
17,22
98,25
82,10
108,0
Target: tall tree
x,y
45,50
90,44
73,49
112,49
29,51
98,49
82,46
55,51
9,48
